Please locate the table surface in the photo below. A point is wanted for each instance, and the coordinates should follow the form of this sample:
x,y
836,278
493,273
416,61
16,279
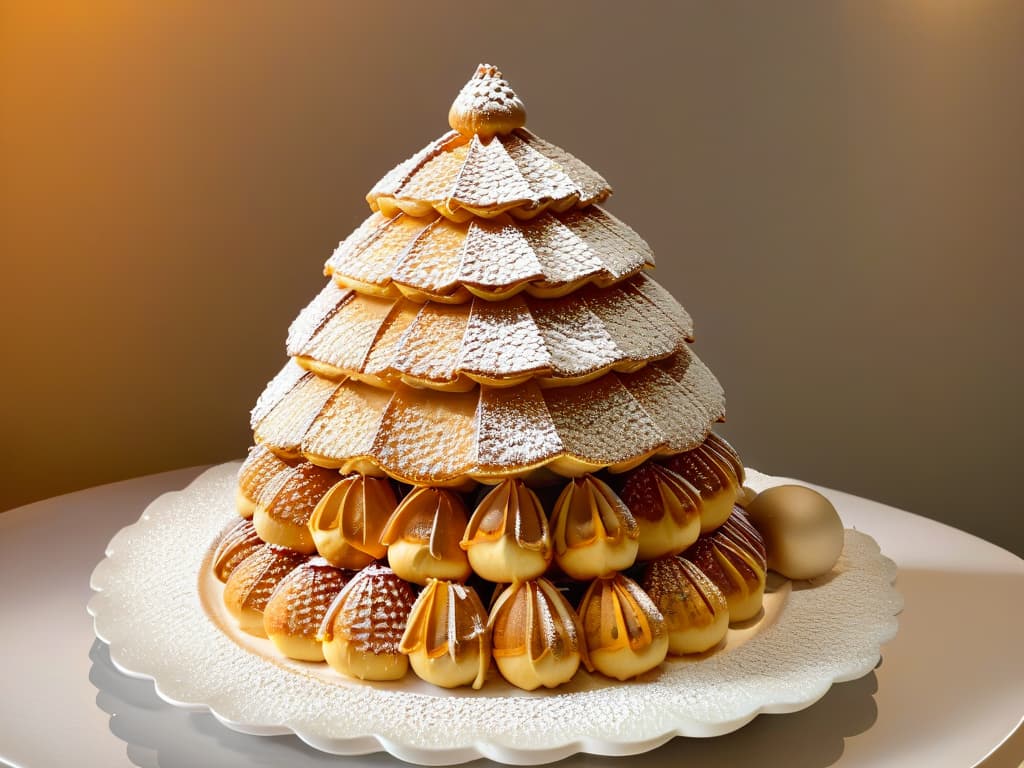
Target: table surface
x,y
949,692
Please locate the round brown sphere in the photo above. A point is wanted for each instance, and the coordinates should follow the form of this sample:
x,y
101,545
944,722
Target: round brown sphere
x,y
802,530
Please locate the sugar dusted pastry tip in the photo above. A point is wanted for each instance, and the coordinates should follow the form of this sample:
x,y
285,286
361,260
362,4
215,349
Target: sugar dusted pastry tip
x,y
423,534
507,538
446,638
253,581
260,467
666,508
286,503
802,531
734,559
347,522
593,531
362,629
296,609
535,636
486,105
695,610
240,541
624,630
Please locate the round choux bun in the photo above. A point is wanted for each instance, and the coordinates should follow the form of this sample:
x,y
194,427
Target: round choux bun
x,y
446,637
507,537
536,638
593,531
624,630
733,558
296,609
259,468
423,534
235,545
286,504
362,629
253,581
666,507
802,530
714,477
347,522
695,610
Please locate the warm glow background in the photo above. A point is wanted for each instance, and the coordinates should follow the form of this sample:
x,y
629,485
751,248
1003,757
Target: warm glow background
x,y
834,191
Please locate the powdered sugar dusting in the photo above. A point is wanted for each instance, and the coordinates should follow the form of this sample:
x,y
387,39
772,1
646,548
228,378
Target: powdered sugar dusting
x,y
539,254
300,602
483,178
371,611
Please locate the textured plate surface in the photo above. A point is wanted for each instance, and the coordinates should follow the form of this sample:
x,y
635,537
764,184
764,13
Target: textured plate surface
x,y
158,611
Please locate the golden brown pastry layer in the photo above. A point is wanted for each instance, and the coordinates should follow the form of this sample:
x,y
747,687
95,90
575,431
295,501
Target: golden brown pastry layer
x,y
446,638
362,629
507,538
296,609
433,258
443,438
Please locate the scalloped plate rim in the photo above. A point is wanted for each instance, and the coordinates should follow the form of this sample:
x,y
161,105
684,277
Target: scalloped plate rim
x,y
369,743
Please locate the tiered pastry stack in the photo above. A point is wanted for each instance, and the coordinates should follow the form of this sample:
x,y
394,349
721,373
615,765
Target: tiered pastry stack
x,y
491,403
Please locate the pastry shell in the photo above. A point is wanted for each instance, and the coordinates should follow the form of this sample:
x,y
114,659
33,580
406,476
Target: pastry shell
x,y
446,637
462,176
296,609
442,438
558,343
434,258
362,629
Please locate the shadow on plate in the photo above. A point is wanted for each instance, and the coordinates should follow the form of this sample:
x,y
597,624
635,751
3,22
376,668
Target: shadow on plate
x,y
159,735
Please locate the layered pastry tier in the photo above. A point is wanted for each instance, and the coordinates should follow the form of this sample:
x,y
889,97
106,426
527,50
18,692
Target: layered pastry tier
x,y
435,258
461,176
454,347
442,438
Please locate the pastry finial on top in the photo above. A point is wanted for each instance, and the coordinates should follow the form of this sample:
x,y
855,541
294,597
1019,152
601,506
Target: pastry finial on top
x,y
593,531
423,534
507,538
666,508
486,105
349,519
446,638
536,635
625,632
362,629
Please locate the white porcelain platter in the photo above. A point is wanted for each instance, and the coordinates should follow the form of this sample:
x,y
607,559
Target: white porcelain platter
x,y
159,609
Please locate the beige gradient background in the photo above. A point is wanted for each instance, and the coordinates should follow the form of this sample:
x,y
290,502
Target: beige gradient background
x,y
834,191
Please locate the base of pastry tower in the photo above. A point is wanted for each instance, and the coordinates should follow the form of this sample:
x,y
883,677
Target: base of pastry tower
x,y
161,627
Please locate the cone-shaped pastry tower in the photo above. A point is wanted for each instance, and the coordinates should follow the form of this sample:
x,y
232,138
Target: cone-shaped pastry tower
x,y
490,322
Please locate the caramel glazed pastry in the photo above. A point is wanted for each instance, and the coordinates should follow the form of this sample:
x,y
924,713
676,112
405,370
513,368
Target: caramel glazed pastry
x,y
491,398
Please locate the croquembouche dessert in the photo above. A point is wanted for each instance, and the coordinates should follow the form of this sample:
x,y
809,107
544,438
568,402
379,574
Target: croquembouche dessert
x,y
491,450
